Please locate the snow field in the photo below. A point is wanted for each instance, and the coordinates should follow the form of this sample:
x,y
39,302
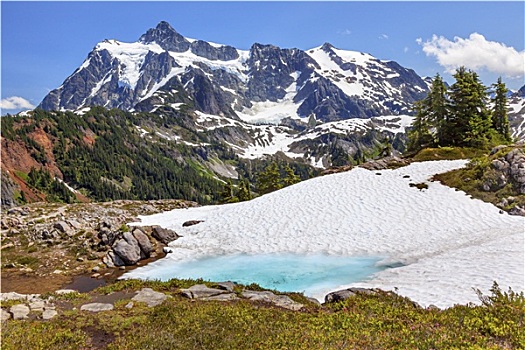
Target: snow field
x,y
447,242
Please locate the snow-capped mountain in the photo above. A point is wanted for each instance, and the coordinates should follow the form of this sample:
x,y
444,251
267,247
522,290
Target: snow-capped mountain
x,y
264,84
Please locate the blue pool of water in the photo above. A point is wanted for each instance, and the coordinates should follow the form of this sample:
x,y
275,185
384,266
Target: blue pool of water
x,y
309,274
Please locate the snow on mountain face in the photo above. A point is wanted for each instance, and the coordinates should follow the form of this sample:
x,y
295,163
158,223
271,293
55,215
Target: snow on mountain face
x,y
516,113
324,82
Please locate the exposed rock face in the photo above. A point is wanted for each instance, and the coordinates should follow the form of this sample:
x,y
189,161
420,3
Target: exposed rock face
x,y
506,169
265,73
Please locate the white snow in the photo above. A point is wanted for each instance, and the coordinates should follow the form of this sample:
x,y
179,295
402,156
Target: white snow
x,y
131,57
448,242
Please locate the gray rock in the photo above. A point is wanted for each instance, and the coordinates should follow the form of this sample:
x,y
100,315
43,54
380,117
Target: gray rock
x,y
339,295
17,296
144,243
19,311
129,305
221,297
49,314
150,297
229,286
497,149
63,227
127,249
200,291
65,291
191,223
37,305
4,315
96,307
517,211
164,235
283,301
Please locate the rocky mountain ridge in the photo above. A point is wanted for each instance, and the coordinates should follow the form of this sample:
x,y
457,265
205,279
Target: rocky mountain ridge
x,y
324,82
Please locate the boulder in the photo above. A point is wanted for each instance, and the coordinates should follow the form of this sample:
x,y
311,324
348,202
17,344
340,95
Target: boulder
x,y
144,243
37,305
150,297
344,294
96,307
19,311
4,315
63,227
229,286
339,295
127,249
283,301
49,313
200,291
164,235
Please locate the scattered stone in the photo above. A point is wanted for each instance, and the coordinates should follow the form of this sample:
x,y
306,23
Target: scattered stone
x,y
8,245
95,269
96,307
201,291
57,272
19,311
129,305
283,301
80,259
49,314
4,315
63,227
17,296
150,297
164,235
37,305
191,223
517,211
95,275
122,268
65,291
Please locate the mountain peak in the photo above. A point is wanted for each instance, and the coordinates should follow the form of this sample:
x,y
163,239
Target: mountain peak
x,y
166,37
327,47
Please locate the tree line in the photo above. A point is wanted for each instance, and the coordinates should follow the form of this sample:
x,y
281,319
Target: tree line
x,y
460,115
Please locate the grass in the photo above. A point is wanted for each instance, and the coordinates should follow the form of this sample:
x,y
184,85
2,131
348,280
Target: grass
x,y
443,153
382,321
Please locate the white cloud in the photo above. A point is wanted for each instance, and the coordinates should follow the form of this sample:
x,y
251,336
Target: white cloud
x,y
383,36
475,52
405,50
16,102
345,32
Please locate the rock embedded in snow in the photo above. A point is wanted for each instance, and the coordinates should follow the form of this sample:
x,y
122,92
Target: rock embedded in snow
x,y
164,235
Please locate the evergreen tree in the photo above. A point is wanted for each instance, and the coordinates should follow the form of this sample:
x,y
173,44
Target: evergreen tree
x,y
469,121
269,180
500,121
419,135
290,177
244,193
436,108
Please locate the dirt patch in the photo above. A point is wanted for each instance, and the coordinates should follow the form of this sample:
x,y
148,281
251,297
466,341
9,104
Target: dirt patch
x,y
32,284
98,338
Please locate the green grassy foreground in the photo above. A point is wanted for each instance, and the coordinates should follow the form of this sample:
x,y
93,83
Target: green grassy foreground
x,y
383,321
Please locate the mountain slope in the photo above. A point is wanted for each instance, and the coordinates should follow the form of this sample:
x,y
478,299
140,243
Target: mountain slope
x,y
326,83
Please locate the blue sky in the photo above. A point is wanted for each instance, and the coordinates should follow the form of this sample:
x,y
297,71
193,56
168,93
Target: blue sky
x,y
42,43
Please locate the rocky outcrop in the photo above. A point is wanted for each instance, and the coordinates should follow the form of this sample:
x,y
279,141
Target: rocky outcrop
x,y
506,171
97,307
283,301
